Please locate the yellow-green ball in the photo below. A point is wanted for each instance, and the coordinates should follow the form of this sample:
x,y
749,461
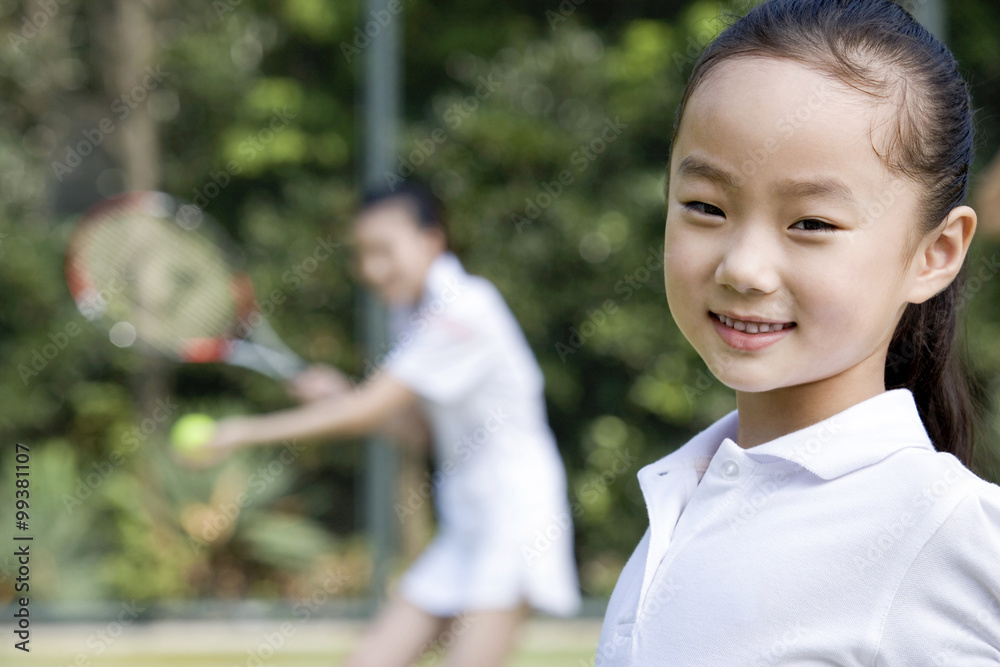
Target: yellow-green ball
x,y
191,432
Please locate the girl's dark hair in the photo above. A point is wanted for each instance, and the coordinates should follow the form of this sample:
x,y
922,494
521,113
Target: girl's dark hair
x,y
879,49
428,211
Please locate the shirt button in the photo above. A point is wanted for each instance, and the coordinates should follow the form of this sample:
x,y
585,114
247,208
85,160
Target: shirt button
x,y
730,470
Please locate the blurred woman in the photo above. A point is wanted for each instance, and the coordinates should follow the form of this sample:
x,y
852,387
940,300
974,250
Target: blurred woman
x,y
505,538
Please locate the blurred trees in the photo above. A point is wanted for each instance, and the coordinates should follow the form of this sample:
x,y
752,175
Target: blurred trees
x,y
545,129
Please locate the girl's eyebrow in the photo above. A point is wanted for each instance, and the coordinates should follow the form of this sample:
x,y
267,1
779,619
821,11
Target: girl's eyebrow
x,y
694,167
822,187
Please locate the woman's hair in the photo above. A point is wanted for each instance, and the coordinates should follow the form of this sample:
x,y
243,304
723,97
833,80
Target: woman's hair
x,y
879,49
428,211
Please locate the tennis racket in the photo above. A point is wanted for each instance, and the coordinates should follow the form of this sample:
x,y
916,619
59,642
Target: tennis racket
x,y
164,279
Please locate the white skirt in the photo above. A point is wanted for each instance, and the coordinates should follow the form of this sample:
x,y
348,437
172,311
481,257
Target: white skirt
x,y
504,540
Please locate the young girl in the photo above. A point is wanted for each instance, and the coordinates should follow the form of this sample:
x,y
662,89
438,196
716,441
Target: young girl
x,y
815,238
460,358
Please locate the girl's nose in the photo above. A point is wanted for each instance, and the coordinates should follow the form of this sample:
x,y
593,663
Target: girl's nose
x,y
749,263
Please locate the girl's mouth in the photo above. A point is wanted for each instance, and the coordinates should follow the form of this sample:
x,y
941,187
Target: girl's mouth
x,y
749,335
750,326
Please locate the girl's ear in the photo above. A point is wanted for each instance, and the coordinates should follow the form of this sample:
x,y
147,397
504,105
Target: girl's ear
x,y
940,256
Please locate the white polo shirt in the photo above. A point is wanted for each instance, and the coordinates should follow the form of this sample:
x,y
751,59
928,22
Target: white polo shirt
x,y
849,542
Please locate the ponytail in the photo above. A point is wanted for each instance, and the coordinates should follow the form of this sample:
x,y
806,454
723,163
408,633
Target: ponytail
x,y
927,357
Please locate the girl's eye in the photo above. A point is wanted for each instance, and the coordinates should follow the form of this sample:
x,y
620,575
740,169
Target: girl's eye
x,y
813,225
704,209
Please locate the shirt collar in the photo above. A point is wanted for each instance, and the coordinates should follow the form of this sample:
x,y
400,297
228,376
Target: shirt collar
x,y
443,274
444,277
859,436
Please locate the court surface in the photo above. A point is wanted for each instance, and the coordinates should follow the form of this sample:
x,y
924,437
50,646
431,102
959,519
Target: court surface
x,y
274,643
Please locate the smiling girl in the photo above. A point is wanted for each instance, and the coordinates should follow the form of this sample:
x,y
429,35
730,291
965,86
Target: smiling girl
x,y
814,244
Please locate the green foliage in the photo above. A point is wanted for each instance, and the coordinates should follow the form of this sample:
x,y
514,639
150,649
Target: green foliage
x,y
547,136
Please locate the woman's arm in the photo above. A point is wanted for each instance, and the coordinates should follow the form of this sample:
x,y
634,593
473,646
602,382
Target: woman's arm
x,y
343,415
316,382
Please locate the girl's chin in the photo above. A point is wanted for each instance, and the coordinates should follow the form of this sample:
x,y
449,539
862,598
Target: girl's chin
x,y
752,387
745,376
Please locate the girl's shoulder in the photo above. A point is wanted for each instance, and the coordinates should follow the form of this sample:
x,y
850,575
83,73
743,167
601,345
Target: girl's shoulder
x,y
946,603
980,509
939,476
964,507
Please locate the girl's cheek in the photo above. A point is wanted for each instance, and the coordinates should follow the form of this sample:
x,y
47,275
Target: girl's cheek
x,y
673,275
686,260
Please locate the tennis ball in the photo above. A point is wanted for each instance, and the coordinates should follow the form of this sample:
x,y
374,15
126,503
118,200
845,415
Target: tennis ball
x,y
191,432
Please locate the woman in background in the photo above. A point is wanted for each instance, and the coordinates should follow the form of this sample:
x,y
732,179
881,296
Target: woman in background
x,y
461,360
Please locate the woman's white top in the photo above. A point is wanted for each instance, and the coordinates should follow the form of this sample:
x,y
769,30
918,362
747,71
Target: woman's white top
x,y
849,542
505,532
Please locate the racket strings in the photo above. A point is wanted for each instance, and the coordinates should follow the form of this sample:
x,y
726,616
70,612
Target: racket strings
x,y
168,282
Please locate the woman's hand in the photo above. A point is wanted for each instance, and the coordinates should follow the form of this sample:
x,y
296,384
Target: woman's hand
x,y
350,415
317,382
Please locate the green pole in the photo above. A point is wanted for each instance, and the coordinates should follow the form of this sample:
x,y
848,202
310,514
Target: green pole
x,y
381,120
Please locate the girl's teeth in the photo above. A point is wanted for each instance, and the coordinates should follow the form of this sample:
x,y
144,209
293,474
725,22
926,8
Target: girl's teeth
x,y
750,327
